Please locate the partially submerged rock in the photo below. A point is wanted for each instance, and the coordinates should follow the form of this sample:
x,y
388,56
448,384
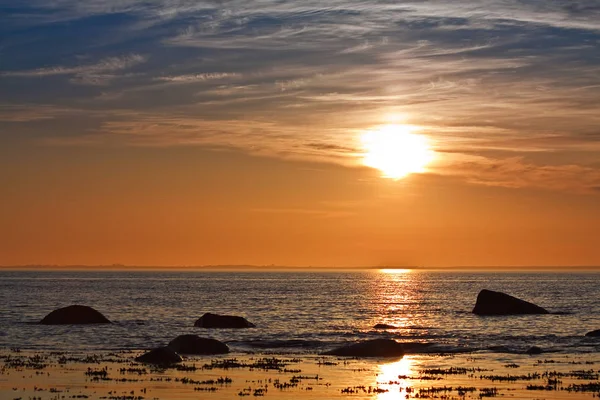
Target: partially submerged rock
x,y
384,326
370,348
534,350
160,356
74,314
595,333
498,303
210,320
193,344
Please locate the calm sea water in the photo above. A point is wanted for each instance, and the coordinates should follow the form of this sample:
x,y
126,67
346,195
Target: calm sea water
x,y
299,311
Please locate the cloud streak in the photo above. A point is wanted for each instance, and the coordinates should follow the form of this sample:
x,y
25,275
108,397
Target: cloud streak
x,y
100,73
516,173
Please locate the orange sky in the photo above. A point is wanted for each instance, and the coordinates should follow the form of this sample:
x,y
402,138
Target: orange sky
x,y
189,206
200,132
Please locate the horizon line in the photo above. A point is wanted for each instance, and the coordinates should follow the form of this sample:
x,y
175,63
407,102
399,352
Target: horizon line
x,y
273,267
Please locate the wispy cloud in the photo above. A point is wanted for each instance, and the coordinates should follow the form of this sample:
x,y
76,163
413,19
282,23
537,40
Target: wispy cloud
x,y
515,172
100,73
197,77
30,113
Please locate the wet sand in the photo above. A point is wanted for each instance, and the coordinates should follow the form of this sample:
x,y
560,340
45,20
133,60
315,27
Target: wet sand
x,y
114,375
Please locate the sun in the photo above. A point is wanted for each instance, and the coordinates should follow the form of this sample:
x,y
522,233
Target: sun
x,y
396,151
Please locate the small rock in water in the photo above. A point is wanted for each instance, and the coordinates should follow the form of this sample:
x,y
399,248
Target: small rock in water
x,y
534,350
498,303
595,333
384,326
74,314
193,344
210,320
370,348
160,356
500,349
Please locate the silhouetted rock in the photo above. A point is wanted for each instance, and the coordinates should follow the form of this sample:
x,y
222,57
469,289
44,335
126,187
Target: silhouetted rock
x,y
370,348
209,320
74,315
595,333
160,356
534,350
193,344
500,349
498,303
384,326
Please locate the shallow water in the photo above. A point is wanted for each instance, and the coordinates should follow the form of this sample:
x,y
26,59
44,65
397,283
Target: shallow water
x,y
48,376
300,311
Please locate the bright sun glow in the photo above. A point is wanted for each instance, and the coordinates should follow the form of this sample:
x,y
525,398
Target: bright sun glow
x,y
396,151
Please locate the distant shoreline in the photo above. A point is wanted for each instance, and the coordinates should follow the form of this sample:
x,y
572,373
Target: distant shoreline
x,y
274,268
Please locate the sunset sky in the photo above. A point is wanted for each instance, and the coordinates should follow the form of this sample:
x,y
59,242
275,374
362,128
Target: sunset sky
x,y
180,132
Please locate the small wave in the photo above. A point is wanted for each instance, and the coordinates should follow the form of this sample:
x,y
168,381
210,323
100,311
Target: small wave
x,y
406,328
503,349
415,348
126,323
447,349
277,344
416,327
519,350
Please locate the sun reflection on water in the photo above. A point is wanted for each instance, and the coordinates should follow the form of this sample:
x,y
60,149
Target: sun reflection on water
x,y
391,376
397,294
394,270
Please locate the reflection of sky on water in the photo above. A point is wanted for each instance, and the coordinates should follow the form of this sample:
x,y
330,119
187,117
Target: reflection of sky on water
x,y
389,377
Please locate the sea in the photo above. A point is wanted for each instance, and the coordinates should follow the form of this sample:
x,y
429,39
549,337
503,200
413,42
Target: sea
x,y
300,312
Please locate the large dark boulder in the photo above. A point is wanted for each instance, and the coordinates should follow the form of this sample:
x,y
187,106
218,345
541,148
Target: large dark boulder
x,y
370,348
498,303
74,315
209,320
160,356
193,344
595,333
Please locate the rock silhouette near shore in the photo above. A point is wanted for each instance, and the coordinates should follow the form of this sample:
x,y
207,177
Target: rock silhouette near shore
x,y
210,320
370,348
534,350
595,333
160,356
193,344
498,303
74,314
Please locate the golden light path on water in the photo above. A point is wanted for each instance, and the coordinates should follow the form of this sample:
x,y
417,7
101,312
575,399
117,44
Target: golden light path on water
x,y
394,295
396,151
391,376
396,292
